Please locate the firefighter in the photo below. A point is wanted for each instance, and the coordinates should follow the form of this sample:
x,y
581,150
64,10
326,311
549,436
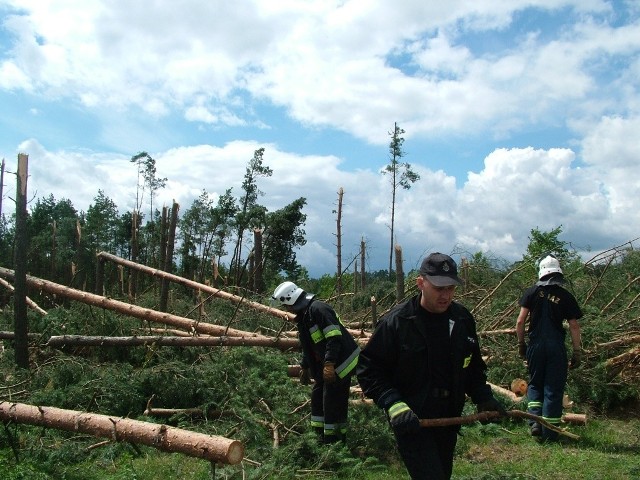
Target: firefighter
x,y
329,356
421,361
545,306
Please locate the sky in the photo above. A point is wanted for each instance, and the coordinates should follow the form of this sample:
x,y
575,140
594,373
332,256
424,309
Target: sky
x,y
517,115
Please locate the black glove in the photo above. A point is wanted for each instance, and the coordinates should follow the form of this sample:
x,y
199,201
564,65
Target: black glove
x,y
576,359
305,376
522,350
491,405
402,419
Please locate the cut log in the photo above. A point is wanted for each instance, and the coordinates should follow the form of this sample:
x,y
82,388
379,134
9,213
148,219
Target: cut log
x,y
505,393
164,438
284,344
129,309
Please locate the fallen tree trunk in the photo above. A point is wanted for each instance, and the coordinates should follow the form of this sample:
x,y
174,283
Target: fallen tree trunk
x,y
284,344
162,437
506,393
12,336
128,309
216,292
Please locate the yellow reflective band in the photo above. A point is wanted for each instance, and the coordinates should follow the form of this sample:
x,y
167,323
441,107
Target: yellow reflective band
x,y
397,408
467,361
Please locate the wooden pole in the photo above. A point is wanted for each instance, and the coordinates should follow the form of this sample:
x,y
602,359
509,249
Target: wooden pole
x,y
164,438
489,416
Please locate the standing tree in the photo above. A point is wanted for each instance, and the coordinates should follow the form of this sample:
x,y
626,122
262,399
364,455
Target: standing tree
x,y
282,235
250,213
400,175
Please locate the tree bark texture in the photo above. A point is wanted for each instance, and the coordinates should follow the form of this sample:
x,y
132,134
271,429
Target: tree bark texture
x,y
162,437
168,260
21,325
399,274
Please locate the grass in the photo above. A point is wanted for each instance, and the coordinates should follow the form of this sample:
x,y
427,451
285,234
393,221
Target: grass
x,y
607,449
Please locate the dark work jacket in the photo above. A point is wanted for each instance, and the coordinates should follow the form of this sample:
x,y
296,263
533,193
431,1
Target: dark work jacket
x,y
324,339
394,364
549,306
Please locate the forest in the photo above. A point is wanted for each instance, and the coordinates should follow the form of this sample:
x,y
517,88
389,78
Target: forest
x,y
165,321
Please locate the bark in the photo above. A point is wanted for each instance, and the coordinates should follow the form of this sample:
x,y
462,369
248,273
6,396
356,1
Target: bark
x,y
491,416
339,244
363,253
21,325
162,437
258,262
399,274
216,292
284,344
128,309
506,393
168,260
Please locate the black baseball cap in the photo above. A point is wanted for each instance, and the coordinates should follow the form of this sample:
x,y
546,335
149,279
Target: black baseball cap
x,y
440,270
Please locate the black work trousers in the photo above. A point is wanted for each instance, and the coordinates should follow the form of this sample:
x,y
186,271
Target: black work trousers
x,y
329,408
428,455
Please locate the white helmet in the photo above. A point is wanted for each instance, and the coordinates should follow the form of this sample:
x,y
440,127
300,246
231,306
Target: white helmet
x,y
287,293
548,265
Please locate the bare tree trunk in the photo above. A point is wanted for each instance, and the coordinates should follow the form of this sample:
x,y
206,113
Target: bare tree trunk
x,y
355,277
99,290
465,274
163,241
162,437
1,185
374,312
21,326
52,266
399,274
168,264
258,271
363,279
133,277
339,243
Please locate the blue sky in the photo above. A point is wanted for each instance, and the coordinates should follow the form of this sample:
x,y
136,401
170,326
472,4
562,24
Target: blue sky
x,y
518,115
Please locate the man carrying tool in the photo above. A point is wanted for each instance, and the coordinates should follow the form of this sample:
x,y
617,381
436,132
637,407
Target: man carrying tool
x,y
329,356
421,361
546,305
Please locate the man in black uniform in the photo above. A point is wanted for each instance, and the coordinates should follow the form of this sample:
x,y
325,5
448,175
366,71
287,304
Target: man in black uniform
x,y
421,361
547,304
329,356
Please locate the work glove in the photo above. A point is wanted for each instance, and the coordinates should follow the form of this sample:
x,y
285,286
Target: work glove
x,y
576,359
329,372
491,405
305,376
522,350
402,419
